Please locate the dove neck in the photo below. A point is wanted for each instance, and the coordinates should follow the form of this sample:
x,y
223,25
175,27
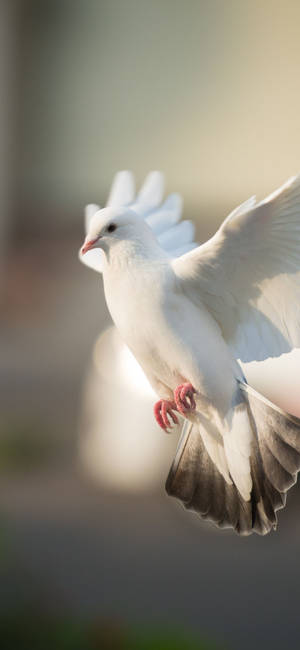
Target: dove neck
x,y
131,253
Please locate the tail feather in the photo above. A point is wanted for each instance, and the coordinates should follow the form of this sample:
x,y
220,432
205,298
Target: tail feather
x,y
278,435
196,481
286,455
266,500
274,463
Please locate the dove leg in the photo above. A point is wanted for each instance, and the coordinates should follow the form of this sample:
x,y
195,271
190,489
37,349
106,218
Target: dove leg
x,y
163,411
184,398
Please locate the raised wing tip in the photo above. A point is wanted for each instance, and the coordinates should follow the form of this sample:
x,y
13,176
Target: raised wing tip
x,y
122,189
293,180
154,174
174,201
89,212
123,173
151,192
241,209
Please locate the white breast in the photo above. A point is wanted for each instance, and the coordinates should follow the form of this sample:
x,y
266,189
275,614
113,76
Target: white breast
x,y
135,297
172,339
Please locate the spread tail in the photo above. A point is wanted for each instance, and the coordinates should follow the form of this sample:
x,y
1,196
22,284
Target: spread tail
x,y
274,463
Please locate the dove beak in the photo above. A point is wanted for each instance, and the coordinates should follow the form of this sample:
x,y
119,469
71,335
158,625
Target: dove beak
x,y
88,245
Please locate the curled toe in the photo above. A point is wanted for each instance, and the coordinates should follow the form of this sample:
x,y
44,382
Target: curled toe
x,y
164,415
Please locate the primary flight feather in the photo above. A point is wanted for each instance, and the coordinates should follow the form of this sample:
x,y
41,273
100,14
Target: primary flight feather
x,y
191,315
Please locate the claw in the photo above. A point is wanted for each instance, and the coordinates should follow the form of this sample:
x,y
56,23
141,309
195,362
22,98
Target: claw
x,y
163,411
184,397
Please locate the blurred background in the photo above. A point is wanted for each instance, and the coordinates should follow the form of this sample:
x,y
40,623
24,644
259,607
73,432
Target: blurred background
x,y
93,554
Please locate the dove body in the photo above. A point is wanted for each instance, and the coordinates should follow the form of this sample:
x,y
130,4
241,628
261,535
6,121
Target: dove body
x,y
173,340
189,319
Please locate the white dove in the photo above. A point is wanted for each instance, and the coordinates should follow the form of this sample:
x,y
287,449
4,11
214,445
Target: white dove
x,y
189,321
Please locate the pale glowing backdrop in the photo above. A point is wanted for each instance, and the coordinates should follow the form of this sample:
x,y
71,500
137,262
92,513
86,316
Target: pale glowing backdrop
x,y
207,91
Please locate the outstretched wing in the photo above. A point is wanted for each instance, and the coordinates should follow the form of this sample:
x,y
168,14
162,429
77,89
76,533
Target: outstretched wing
x,y
176,237
248,275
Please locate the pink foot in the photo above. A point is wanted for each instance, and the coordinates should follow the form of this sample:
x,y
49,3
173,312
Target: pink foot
x,y
163,410
182,394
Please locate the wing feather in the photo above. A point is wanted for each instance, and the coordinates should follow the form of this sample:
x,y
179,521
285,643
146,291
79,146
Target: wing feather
x,y
151,192
89,212
248,275
122,191
167,215
182,233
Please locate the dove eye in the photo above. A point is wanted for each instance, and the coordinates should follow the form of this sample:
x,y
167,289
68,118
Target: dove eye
x,y
111,227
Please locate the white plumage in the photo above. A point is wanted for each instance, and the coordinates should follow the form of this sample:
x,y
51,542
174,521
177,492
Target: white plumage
x,y
196,314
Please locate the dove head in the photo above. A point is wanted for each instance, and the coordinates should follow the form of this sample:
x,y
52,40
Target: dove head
x,y
111,227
